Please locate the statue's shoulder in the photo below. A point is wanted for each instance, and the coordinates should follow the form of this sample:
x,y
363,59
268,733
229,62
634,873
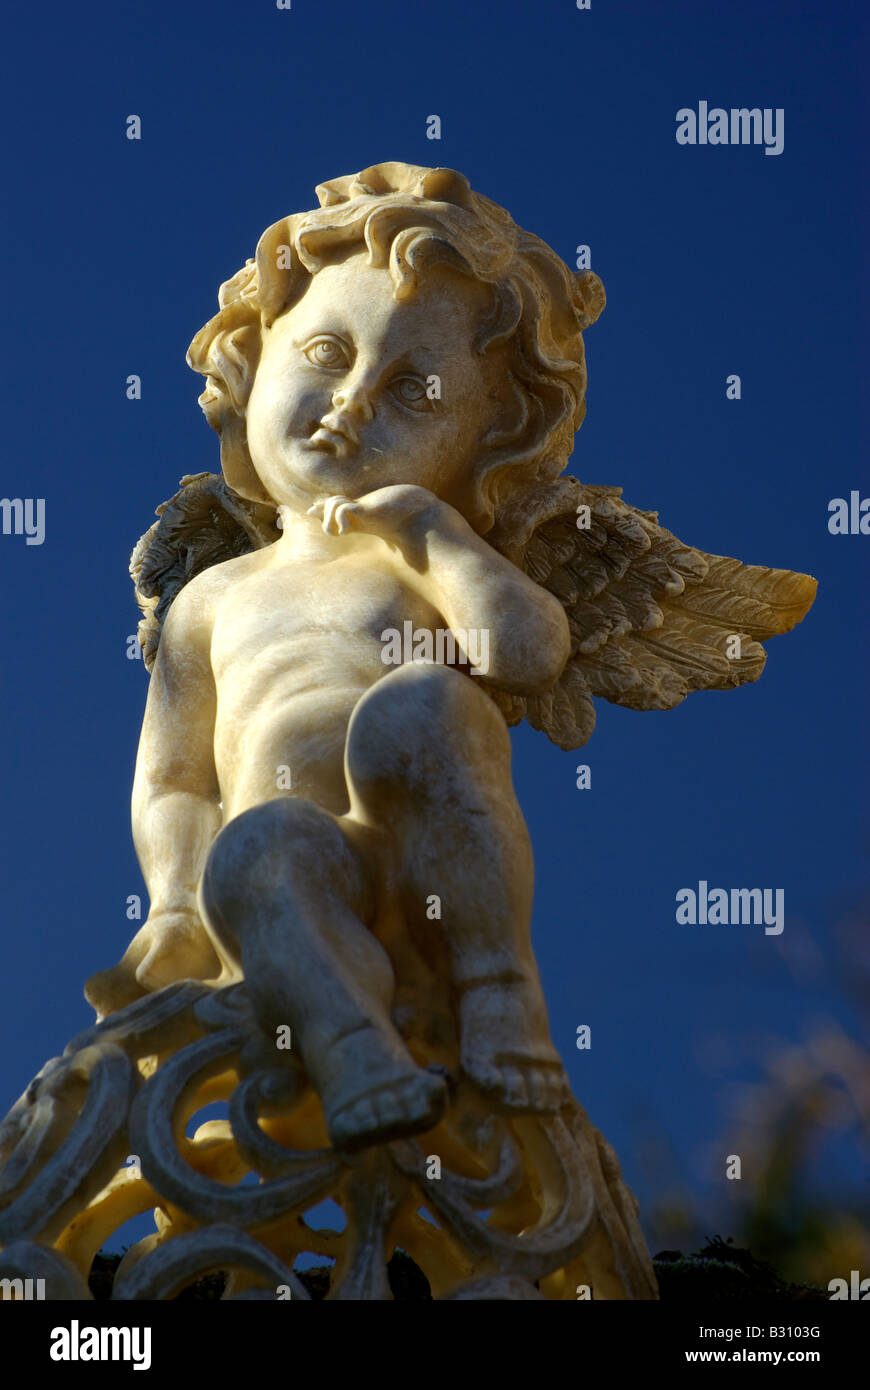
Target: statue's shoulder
x,y
199,546
198,602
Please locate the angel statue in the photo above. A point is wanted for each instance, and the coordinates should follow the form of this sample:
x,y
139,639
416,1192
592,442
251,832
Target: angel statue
x,y
325,815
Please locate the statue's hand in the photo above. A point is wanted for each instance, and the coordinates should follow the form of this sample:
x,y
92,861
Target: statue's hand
x,y
178,948
401,515
169,946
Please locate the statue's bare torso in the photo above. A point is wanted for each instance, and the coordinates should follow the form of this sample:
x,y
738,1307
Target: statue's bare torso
x,y
294,646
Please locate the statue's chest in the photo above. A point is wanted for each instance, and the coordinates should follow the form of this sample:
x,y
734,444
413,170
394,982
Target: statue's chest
x,y
339,601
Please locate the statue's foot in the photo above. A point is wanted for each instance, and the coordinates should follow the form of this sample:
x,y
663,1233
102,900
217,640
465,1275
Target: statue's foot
x,y
379,1096
393,1111
506,1049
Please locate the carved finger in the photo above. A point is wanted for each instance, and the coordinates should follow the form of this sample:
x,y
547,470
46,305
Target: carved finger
x,y
330,514
344,516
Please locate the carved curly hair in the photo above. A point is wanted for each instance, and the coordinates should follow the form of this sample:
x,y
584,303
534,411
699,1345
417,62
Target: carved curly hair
x,y
409,217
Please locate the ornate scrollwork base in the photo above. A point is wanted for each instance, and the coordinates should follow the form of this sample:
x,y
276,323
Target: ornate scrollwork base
x,y
489,1206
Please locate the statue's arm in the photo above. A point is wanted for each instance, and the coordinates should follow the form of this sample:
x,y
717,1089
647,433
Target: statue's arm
x,y
466,580
476,587
176,796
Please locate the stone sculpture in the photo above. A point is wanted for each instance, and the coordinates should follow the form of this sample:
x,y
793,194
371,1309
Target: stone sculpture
x,y
391,570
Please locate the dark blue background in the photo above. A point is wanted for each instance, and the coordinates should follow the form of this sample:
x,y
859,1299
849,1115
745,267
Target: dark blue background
x,y
715,260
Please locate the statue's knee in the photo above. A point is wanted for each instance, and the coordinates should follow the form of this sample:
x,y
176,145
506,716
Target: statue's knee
x,y
262,845
282,855
414,717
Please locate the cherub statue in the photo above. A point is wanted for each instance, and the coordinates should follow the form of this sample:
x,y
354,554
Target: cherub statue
x,y
396,379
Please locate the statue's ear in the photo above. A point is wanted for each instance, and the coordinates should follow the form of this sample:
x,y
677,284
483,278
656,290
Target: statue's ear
x,y
228,357
589,296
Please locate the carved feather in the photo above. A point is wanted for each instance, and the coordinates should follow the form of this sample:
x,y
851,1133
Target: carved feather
x,y
651,619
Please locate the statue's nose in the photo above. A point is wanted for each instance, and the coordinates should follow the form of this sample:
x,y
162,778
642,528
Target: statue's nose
x,y
353,400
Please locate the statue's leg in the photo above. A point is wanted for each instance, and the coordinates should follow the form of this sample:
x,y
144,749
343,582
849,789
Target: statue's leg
x,y
428,762
288,892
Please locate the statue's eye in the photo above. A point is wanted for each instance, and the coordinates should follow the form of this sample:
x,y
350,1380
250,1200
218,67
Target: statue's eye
x,y
327,352
411,391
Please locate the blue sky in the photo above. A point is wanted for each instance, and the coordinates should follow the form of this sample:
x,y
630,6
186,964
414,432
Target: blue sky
x,y
716,260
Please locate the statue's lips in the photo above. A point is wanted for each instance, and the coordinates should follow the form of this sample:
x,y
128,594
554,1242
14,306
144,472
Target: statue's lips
x,y
331,442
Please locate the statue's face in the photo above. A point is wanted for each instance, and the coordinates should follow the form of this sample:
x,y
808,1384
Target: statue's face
x,y
342,401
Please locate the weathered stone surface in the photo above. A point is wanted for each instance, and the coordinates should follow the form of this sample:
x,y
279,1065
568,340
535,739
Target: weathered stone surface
x,y
340,629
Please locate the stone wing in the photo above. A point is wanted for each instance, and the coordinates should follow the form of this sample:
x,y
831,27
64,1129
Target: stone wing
x,y
651,619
